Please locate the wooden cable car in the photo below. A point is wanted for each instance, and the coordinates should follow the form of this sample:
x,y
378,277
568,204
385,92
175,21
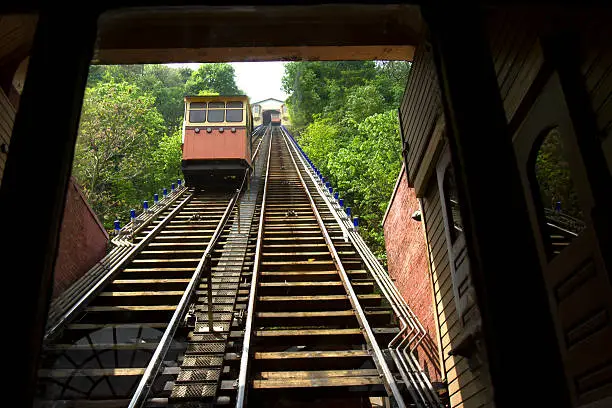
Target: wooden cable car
x,y
216,140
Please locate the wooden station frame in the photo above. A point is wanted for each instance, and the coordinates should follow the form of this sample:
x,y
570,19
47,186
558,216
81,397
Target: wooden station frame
x,y
520,340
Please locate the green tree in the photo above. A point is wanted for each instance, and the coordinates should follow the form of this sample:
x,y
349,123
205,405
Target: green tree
x,y
344,115
365,170
321,87
552,171
167,85
119,129
167,158
213,78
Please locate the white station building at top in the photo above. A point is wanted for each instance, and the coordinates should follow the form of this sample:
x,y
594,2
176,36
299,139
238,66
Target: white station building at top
x,y
263,111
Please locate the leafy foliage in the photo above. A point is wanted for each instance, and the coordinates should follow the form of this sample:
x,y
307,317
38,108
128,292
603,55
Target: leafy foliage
x,y
119,129
553,175
345,117
216,78
129,142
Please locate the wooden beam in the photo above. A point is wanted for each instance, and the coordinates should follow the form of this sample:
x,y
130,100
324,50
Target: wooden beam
x,y
388,52
273,355
235,33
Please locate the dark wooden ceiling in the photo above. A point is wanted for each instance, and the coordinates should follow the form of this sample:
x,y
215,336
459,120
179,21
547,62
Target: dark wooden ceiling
x,y
248,33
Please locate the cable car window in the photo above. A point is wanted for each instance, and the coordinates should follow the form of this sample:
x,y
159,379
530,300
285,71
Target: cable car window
x,y
234,115
216,112
452,204
197,116
557,194
197,112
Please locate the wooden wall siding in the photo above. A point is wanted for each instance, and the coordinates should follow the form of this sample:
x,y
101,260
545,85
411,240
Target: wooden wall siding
x,y
597,70
466,388
582,318
596,67
420,108
517,57
7,117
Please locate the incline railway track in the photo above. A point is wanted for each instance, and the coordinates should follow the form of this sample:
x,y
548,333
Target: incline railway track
x,y
259,296
314,316
104,350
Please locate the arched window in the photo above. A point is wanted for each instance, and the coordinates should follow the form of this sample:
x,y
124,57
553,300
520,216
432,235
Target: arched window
x,y
556,193
452,204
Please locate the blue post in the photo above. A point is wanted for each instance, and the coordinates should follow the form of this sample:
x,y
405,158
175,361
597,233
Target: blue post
x,y
178,182
132,214
327,184
341,202
165,192
155,198
356,222
145,205
336,195
558,206
348,212
331,190
117,226
172,187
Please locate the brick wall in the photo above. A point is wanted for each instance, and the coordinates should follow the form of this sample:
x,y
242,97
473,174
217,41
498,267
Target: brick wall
x,y
408,266
83,240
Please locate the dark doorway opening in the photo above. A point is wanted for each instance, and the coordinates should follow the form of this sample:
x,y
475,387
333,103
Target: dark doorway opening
x,y
267,116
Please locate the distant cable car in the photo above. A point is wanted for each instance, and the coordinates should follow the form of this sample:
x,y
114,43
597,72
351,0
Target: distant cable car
x,y
216,140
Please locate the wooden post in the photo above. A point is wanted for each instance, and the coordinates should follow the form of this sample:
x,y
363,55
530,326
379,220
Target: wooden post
x,y
35,181
524,360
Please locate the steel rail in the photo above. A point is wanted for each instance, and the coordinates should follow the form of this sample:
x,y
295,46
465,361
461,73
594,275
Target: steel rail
x,y
408,365
246,344
60,305
94,290
378,356
412,329
63,301
148,378
259,145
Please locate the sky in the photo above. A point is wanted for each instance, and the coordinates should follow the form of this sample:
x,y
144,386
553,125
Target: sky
x,y
260,80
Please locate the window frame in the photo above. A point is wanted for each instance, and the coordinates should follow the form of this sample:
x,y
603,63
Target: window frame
x,y
216,110
203,109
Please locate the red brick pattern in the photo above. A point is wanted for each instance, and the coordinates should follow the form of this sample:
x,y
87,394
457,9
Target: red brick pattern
x,y
408,266
83,241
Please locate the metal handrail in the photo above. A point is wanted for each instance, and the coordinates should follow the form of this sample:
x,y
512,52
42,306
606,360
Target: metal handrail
x,y
246,344
100,284
378,356
412,330
146,217
144,386
572,224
